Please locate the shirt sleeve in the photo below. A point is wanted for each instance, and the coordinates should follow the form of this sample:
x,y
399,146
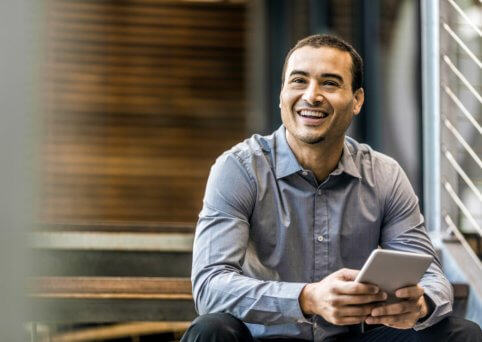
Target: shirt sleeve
x,y
220,245
403,229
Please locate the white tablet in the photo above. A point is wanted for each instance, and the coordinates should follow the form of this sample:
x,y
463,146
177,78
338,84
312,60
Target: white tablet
x,y
392,270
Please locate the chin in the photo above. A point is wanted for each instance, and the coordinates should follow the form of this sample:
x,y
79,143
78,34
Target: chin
x,y
312,140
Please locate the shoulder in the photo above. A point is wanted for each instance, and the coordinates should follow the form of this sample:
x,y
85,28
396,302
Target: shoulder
x,y
233,180
385,177
251,153
374,167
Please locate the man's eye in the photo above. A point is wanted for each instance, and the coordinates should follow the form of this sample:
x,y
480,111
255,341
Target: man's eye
x,y
331,83
298,80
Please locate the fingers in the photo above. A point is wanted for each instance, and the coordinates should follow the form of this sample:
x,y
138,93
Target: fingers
x,y
410,292
350,314
350,287
339,300
401,315
346,274
397,308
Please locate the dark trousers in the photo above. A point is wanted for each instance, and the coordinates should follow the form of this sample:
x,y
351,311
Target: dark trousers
x,y
222,327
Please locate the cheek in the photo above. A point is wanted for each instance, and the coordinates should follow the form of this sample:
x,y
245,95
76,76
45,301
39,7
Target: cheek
x,y
344,105
286,116
286,104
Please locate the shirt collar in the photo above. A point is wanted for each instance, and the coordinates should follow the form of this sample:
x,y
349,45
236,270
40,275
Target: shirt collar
x,y
346,163
285,161
287,164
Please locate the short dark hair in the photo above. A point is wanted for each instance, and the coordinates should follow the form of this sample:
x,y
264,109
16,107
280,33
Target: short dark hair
x,y
326,40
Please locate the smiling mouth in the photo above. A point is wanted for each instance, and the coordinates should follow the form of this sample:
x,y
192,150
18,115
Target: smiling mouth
x,y
312,114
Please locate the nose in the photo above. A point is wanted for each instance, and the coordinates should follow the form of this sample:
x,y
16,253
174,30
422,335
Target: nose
x,y
312,94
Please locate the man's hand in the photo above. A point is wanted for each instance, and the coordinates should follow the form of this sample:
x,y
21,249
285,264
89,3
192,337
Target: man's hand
x,y
401,315
339,300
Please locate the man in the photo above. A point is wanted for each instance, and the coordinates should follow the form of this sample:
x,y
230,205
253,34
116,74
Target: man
x,y
289,218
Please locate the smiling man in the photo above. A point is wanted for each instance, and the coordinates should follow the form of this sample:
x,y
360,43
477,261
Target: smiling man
x,y
289,219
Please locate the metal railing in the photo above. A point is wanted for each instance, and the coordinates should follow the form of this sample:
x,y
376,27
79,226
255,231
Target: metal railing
x,y
452,83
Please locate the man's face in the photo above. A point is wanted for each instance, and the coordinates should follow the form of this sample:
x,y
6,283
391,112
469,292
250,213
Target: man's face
x,y
317,102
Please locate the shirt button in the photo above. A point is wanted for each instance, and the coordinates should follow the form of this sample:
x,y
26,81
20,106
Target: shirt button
x,y
305,173
319,192
320,238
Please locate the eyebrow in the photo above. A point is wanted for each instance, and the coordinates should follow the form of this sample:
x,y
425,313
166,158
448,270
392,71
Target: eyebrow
x,y
336,76
298,72
324,75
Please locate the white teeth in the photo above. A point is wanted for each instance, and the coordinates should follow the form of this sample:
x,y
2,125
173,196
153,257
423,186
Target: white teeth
x,y
312,113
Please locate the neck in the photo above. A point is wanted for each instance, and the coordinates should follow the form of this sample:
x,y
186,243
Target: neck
x,y
321,158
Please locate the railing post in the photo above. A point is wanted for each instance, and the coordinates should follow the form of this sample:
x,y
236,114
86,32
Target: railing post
x,y
431,113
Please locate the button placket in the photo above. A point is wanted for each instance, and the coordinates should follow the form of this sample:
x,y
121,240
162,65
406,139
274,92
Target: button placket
x,y
319,239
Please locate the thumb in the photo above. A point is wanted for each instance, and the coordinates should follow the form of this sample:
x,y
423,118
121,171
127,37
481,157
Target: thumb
x,y
347,274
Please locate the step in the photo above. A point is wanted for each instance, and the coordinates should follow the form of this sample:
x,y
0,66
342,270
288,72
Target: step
x,y
110,299
112,249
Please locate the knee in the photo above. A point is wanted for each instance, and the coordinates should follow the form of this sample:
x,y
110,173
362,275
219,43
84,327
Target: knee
x,y
470,331
459,329
217,327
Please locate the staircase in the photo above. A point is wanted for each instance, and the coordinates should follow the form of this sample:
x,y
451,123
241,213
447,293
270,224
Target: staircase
x,y
134,279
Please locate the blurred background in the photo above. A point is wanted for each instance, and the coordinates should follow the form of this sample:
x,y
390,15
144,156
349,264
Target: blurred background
x,y
113,112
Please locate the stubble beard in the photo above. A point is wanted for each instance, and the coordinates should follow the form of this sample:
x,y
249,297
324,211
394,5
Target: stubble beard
x,y
308,138
312,140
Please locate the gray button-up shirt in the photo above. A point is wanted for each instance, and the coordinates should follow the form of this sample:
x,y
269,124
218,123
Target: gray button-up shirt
x,y
267,228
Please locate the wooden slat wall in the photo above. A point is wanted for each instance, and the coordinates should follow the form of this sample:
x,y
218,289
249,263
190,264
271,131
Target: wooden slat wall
x,y
142,96
342,19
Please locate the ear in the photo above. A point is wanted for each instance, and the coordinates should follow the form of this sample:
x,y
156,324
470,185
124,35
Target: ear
x,y
358,99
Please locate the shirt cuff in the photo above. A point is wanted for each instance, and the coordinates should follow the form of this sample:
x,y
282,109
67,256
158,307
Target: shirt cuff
x,y
299,315
439,309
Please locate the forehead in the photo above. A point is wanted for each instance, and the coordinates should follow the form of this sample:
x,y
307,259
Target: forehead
x,y
320,60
